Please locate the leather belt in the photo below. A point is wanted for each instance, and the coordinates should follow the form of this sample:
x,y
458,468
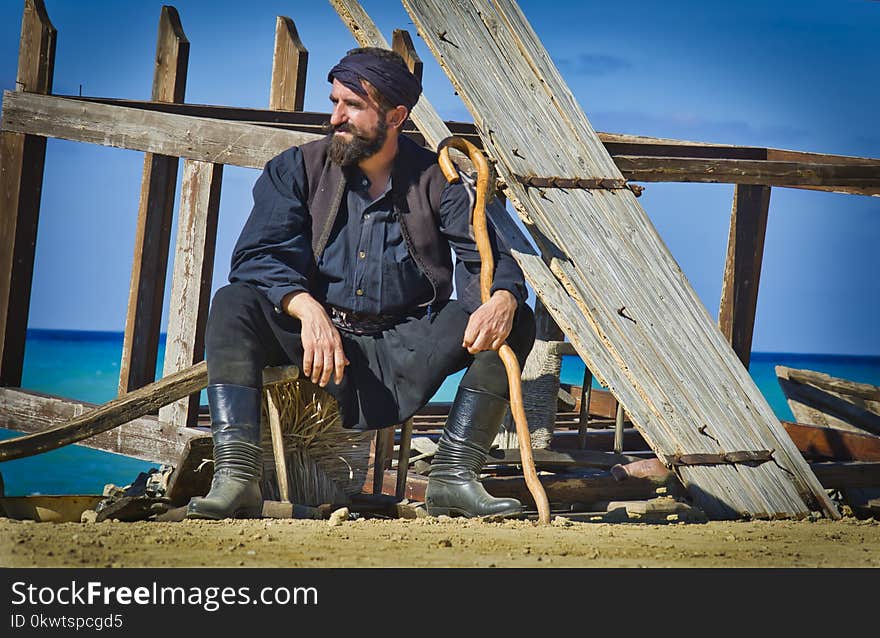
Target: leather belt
x,y
361,323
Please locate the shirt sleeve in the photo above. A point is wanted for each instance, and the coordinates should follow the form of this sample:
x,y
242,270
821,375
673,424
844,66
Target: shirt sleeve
x,y
274,251
456,204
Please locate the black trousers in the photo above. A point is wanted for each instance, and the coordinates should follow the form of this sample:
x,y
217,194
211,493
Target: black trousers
x,y
392,374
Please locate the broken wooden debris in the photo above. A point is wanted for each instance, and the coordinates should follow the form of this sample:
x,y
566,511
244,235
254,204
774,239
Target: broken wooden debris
x,y
816,398
109,415
823,442
192,473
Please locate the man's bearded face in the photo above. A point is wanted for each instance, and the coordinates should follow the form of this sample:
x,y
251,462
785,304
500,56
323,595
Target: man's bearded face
x,y
361,145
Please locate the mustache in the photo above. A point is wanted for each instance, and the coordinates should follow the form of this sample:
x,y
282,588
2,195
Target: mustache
x,y
328,128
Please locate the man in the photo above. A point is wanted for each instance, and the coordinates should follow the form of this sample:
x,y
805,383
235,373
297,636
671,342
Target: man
x,y
344,268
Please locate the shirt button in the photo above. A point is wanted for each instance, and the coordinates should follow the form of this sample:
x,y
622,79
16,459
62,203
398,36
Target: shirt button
x,y
367,216
362,255
359,292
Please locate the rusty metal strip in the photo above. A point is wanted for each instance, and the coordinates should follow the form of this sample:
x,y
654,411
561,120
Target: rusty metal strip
x,y
745,457
584,183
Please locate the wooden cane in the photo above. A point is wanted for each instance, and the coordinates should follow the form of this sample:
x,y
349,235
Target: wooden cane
x,y
487,271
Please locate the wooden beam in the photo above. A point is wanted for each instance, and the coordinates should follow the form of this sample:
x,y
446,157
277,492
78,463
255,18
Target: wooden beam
x,y
34,413
22,158
832,384
108,416
561,488
238,139
741,171
826,406
742,269
289,63
402,43
580,489
599,440
191,281
201,139
839,476
146,293
822,442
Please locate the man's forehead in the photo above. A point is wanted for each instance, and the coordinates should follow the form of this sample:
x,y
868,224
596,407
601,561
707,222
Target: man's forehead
x,y
341,92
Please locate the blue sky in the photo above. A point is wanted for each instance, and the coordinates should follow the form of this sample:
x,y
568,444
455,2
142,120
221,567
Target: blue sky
x,y
796,75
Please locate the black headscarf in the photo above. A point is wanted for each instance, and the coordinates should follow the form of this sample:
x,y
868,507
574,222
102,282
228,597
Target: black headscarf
x,y
392,79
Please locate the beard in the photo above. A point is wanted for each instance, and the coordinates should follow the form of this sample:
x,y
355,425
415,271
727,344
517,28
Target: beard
x,y
361,146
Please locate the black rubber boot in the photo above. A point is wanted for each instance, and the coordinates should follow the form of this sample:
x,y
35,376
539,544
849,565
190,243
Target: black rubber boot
x,y
453,487
238,457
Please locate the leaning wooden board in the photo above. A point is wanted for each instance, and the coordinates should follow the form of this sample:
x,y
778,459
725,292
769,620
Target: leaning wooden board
x,y
651,339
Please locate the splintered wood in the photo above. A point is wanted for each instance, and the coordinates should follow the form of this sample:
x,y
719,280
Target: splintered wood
x,y
650,339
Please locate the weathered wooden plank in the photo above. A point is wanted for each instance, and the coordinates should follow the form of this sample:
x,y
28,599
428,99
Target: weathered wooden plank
x,y
99,126
742,268
834,384
737,171
402,43
146,293
303,121
659,350
109,415
821,442
289,63
191,280
839,476
201,139
142,437
827,403
21,181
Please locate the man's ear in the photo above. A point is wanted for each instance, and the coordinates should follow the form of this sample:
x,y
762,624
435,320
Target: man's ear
x,y
397,116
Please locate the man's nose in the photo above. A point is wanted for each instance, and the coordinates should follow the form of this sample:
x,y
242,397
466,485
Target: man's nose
x,y
337,115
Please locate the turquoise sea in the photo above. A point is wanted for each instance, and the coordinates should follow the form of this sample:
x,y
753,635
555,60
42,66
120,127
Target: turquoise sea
x,y
85,365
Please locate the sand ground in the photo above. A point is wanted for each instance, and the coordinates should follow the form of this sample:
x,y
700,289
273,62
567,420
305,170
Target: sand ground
x,y
441,542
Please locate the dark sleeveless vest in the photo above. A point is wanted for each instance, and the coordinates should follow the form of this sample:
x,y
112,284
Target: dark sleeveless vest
x,y
416,185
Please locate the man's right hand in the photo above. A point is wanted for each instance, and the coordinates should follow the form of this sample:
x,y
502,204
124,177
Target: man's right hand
x,y
323,355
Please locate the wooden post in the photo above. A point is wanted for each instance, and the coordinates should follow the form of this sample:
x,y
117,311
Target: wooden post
x,y
584,416
141,342
406,431
278,451
402,43
618,429
383,446
191,282
742,269
289,63
22,158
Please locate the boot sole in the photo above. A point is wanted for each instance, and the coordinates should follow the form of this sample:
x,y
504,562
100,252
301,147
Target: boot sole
x,y
244,513
456,512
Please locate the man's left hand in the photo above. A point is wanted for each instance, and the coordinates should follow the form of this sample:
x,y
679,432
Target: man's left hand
x,y
490,324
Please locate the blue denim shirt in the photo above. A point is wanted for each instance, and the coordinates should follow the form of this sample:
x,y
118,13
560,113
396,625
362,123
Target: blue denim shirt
x,y
365,266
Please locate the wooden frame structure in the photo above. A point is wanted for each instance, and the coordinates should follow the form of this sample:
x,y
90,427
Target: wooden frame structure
x,y
207,137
